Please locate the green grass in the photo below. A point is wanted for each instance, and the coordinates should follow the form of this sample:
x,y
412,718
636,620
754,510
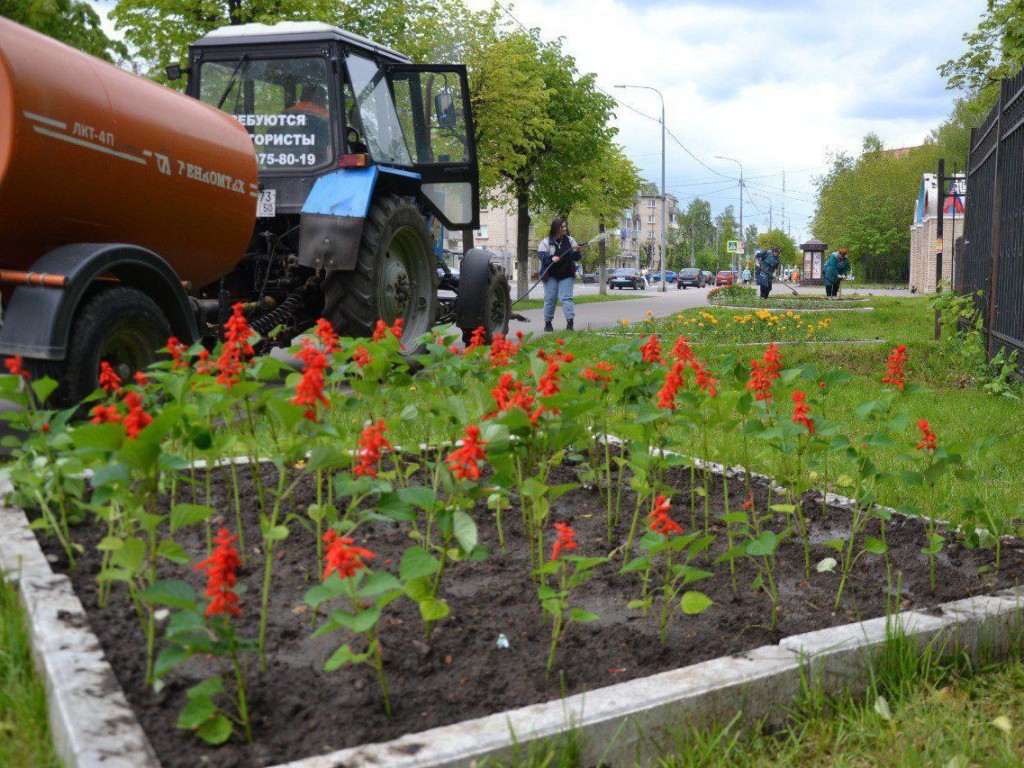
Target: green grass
x,y
24,729
740,296
594,298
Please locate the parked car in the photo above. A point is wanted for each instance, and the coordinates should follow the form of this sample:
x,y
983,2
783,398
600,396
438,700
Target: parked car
x,y
590,277
709,277
670,276
627,278
690,277
725,277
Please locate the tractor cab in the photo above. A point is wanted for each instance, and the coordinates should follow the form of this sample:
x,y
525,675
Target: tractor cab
x,y
316,99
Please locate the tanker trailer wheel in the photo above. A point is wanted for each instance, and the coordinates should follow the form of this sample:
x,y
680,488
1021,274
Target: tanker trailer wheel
x,y
485,299
121,326
394,276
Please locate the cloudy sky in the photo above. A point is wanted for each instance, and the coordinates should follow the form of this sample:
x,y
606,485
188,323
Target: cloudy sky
x,y
775,84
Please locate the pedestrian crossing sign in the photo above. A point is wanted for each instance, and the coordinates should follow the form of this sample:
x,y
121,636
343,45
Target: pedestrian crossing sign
x,y
734,246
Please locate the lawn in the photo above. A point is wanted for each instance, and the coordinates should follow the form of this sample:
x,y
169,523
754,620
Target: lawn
x,y
740,296
595,298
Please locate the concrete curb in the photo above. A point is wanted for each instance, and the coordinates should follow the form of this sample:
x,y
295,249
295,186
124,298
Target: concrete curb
x,y
91,721
619,725
794,310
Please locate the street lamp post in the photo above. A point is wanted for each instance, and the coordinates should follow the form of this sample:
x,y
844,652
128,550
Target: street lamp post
x,y
662,282
734,160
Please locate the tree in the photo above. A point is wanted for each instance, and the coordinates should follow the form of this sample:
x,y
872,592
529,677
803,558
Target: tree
x,y
71,21
610,187
777,238
994,50
695,234
750,237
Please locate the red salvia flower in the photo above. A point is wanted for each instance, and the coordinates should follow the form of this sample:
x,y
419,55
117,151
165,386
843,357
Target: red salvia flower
x,y
462,462
45,428
137,419
661,522
558,356
203,364
772,361
599,374
221,573
928,440
236,350
105,414
109,380
894,373
361,356
749,503
371,443
477,338
502,351
15,367
310,390
705,381
177,352
673,381
141,379
566,540
651,350
502,393
382,329
325,332
343,558
548,384
681,351
760,382
801,410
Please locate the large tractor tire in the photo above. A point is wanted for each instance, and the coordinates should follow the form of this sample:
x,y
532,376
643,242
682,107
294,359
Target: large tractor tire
x,y
118,325
394,276
485,298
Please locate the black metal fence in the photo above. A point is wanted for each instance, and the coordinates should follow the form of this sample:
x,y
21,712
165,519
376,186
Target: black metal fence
x,y
992,260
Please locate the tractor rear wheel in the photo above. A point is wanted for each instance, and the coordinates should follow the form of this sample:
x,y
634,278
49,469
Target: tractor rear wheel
x,y
394,276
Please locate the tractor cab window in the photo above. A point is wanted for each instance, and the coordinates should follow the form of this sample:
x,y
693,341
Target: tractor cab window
x,y
284,104
430,107
373,115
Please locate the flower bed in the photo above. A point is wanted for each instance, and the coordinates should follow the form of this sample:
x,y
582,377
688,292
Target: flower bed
x,y
740,296
347,591
731,326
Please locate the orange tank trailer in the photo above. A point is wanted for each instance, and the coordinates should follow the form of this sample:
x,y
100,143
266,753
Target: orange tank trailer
x,y
90,153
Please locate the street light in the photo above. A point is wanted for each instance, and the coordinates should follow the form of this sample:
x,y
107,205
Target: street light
x,y
662,281
734,160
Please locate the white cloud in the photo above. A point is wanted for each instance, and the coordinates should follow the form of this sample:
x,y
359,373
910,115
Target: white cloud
x,y
773,84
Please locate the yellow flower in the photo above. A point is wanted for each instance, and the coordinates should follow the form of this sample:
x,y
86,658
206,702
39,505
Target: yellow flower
x,y
625,321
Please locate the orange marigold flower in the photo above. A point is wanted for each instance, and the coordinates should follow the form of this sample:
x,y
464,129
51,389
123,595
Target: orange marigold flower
x,y
801,410
371,443
462,462
566,540
105,414
15,367
651,350
928,440
894,368
137,419
109,380
661,522
221,573
343,558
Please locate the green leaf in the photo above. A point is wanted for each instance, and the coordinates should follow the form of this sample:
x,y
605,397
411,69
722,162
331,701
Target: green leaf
x,y
836,544
130,555
434,610
173,593
417,563
360,622
106,437
419,496
327,457
874,546
169,658
640,603
207,689
43,388
763,545
694,602
377,584
188,514
911,478
216,730
196,712
465,530
172,551
582,616
277,533
343,656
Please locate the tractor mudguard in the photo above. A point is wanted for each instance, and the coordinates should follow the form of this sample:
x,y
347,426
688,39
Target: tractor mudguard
x,y
37,321
331,225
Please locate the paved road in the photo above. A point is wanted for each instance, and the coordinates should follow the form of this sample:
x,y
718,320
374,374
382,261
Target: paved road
x,y
606,314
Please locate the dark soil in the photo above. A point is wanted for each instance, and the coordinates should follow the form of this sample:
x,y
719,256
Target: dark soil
x,y
299,710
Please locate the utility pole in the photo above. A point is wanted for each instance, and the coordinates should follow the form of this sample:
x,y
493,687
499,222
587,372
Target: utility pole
x,y
743,244
783,225
691,243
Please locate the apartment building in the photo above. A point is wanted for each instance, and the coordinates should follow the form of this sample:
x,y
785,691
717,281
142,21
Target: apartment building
x,y
641,226
497,233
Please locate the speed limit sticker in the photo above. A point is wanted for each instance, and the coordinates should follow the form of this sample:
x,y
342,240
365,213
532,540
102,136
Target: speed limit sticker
x,y
266,204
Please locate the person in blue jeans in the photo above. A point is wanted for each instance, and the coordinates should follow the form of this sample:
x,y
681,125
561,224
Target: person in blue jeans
x,y
558,256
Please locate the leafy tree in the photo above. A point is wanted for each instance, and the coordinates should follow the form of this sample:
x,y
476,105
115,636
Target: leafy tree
x,y
750,238
994,50
71,21
788,252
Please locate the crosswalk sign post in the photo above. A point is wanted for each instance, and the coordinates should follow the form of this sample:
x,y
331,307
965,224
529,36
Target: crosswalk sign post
x,y
735,249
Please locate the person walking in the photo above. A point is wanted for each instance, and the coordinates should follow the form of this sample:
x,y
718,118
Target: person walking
x,y
765,264
836,266
558,256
